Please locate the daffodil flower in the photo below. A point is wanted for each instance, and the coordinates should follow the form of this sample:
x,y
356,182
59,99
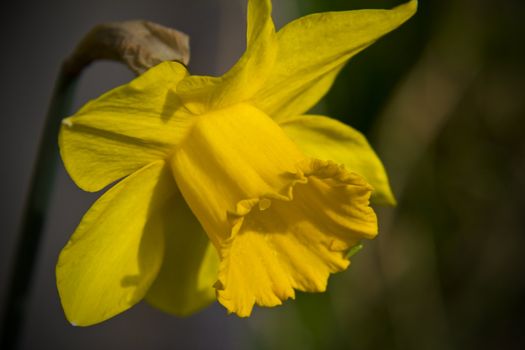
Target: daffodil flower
x,y
223,188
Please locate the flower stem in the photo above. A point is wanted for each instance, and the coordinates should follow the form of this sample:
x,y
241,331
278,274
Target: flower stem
x,y
33,217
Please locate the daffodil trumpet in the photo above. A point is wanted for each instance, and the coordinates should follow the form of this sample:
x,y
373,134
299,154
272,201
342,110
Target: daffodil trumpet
x,y
224,189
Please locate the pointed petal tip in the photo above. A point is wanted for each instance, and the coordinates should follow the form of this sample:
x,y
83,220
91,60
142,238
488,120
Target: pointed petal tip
x,y
392,201
383,198
410,7
67,122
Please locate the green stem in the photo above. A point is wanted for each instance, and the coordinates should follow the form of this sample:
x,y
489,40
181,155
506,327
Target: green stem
x,y
34,215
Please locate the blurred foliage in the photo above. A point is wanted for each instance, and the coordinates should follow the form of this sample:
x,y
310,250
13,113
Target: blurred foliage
x,y
442,101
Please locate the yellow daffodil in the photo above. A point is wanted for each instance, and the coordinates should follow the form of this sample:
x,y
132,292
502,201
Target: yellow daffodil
x,y
226,190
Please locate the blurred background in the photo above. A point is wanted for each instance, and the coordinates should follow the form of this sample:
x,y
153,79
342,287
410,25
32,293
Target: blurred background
x,y
441,100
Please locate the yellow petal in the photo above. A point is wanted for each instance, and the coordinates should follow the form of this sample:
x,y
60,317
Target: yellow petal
x,y
328,139
314,48
202,93
124,129
296,243
237,171
185,281
115,253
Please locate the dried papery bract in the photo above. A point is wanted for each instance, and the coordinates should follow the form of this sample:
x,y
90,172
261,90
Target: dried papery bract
x,y
138,44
